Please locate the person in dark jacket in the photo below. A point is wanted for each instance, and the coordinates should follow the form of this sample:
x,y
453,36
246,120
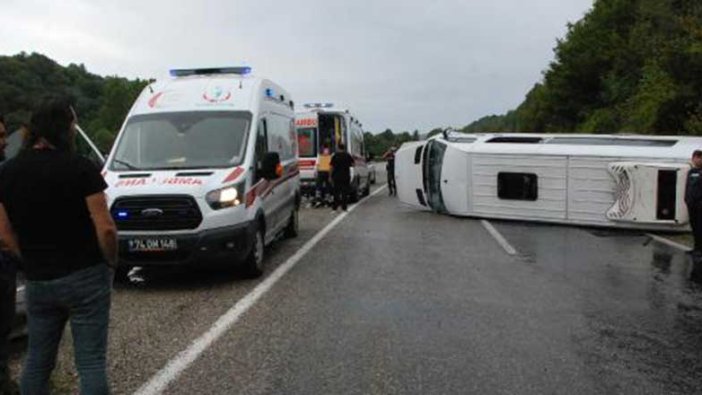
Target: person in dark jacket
x,y
341,164
693,199
54,218
8,292
389,156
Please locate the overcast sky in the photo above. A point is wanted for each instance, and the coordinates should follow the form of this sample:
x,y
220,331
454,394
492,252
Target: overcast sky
x,y
398,64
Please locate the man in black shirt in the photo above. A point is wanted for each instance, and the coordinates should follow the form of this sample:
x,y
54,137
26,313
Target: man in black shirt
x,y
341,165
693,199
389,156
53,214
8,292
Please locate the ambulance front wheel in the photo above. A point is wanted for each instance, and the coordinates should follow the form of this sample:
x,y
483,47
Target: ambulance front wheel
x,y
253,264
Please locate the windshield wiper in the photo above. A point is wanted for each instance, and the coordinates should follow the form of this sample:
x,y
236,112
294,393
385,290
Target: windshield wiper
x,y
126,164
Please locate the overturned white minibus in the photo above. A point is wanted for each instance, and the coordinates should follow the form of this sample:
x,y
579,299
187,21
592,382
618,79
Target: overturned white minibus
x,y
623,181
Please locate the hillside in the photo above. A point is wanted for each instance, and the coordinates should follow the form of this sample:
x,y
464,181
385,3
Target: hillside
x,y
101,102
632,66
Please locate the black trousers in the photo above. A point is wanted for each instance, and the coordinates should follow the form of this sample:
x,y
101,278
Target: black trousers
x,y
391,180
341,193
8,292
695,211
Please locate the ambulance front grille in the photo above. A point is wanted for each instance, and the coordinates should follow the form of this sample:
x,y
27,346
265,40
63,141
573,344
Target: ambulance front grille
x,y
172,212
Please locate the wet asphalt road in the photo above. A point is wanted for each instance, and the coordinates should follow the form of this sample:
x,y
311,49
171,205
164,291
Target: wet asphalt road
x,y
395,300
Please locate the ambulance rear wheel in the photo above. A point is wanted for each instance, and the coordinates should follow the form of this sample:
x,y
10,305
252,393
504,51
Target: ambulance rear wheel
x,y
293,228
353,196
253,265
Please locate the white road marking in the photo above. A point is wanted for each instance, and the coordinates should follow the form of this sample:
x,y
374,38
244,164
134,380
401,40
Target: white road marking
x,y
160,381
669,242
499,238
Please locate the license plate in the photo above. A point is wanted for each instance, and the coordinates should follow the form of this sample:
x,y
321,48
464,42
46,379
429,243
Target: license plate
x,y
152,245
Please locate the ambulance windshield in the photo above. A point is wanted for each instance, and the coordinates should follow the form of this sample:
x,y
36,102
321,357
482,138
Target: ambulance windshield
x,y
183,140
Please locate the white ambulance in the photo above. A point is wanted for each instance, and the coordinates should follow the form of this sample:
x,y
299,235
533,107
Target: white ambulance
x,y
325,123
205,170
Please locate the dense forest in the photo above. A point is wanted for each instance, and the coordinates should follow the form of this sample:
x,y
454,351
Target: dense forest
x,y
101,102
629,66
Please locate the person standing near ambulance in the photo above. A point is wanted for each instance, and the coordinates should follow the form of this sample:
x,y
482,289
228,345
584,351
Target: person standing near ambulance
x,y
341,164
693,200
323,175
8,292
389,156
54,216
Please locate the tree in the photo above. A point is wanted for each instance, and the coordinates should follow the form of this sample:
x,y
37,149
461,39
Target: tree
x,y
627,66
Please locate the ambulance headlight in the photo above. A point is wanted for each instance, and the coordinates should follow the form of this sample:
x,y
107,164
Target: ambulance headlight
x,y
230,196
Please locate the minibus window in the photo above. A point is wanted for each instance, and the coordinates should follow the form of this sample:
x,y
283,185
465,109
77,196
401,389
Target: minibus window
x,y
517,186
183,140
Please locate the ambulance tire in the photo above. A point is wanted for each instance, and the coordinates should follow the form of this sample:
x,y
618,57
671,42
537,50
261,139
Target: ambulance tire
x,y
253,265
121,274
367,189
293,228
353,196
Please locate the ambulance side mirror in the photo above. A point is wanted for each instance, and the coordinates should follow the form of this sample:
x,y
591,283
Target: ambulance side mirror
x,y
271,166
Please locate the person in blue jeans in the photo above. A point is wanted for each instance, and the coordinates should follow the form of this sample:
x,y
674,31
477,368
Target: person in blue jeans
x,y
54,219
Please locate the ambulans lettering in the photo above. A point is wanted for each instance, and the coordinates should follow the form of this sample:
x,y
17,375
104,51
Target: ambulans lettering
x,y
135,182
306,122
181,181
131,182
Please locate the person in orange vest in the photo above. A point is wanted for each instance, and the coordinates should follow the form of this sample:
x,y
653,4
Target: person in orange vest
x,y
323,175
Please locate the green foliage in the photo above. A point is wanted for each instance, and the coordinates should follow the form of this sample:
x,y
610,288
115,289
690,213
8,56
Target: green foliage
x,y
101,103
628,66
378,144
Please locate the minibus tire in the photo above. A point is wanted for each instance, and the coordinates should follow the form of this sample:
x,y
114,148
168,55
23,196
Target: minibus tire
x,y
253,264
293,228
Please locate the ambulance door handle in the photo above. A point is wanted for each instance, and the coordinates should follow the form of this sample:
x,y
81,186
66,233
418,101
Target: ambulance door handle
x,y
445,181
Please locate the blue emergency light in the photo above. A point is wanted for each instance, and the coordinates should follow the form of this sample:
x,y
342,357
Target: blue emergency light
x,y
243,70
123,214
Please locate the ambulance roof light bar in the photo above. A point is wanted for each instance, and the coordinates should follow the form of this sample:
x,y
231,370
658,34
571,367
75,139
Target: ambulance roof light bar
x,y
318,105
243,70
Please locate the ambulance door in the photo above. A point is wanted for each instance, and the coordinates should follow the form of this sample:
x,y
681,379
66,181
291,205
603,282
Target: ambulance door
x,y
454,180
408,175
263,187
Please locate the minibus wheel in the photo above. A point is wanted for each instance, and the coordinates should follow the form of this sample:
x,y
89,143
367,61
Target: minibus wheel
x,y
253,265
